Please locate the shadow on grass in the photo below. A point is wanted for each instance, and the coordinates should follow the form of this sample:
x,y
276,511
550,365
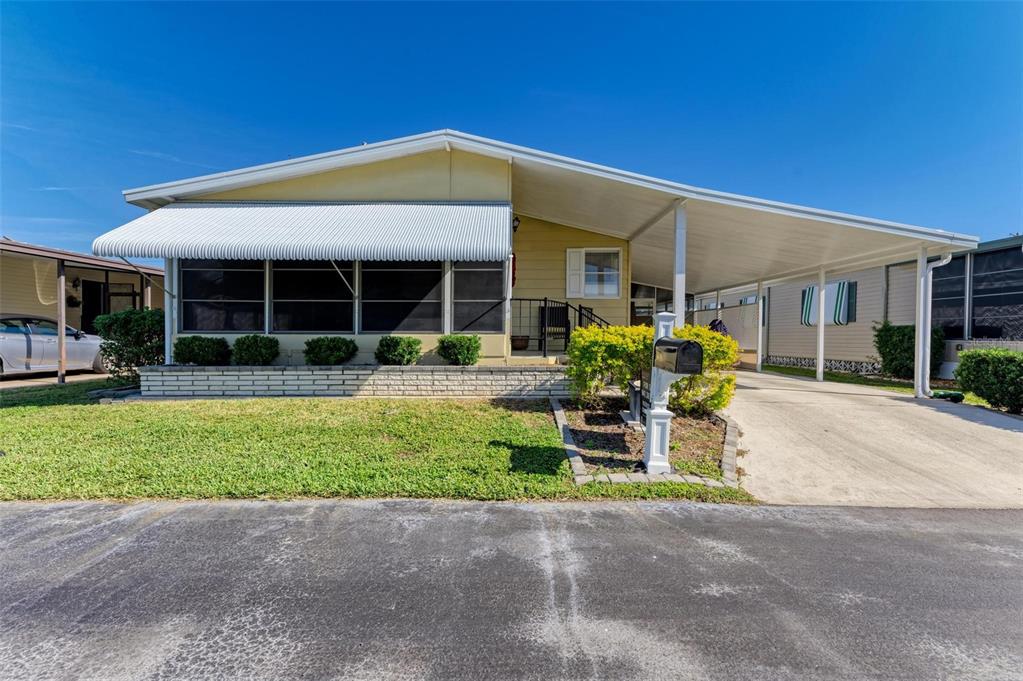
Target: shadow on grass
x,y
534,459
51,395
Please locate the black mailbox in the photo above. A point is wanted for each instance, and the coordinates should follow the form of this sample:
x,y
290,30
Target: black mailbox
x,y
678,356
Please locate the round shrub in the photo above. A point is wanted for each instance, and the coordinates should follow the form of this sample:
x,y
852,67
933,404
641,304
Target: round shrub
x,y
210,351
460,350
401,350
329,350
995,375
131,339
255,350
896,347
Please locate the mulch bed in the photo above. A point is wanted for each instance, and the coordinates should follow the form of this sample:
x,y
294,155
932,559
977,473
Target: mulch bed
x,y
607,445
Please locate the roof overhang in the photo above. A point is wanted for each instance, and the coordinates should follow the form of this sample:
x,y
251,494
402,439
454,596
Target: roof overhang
x,y
75,259
278,230
732,239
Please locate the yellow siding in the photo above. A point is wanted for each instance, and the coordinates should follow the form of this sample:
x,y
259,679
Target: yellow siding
x,y
432,176
28,285
539,249
786,337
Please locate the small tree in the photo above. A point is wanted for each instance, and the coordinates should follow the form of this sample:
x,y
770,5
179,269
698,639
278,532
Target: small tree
x,y
131,339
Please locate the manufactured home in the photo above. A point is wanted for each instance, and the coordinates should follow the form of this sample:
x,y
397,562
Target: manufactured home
x,y
447,232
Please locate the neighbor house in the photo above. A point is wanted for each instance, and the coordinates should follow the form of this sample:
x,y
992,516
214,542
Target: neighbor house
x,y
447,232
30,285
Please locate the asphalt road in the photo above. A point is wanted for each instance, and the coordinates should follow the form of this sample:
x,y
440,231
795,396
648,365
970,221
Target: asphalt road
x,y
438,590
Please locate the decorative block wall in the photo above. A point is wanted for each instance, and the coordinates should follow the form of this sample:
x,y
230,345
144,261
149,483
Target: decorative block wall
x,y
354,381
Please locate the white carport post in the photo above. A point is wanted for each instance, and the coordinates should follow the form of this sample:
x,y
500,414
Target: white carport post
x,y
679,288
821,280
921,323
170,283
760,326
61,323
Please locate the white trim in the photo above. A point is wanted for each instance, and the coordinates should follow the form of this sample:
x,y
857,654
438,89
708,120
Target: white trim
x,y
154,195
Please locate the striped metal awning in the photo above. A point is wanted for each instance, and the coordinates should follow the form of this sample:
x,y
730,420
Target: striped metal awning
x,y
257,230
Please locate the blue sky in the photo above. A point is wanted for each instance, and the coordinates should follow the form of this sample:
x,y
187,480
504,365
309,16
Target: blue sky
x,y
907,112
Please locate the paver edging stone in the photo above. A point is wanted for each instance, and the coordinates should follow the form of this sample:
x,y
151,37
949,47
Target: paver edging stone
x,y
581,477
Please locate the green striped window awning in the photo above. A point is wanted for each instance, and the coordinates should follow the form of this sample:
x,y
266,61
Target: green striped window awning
x,y
839,300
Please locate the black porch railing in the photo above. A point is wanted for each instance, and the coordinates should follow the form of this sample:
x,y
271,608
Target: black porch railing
x,y
545,325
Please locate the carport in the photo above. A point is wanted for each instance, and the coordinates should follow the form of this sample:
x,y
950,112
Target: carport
x,y
690,239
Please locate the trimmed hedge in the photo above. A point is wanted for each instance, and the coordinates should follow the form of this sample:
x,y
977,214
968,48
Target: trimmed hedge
x,y
329,350
614,355
255,350
131,339
400,350
460,350
995,374
896,347
209,351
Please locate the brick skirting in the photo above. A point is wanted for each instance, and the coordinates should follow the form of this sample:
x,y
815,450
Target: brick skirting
x,y
354,381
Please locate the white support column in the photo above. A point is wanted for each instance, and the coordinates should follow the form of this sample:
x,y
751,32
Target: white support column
x,y
267,298
147,292
170,286
357,297
760,326
679,288
509,265
921,303
821,282
447,296
717,304
61,323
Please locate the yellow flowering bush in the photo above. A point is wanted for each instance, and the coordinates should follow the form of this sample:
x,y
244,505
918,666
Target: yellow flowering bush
x,y
614,355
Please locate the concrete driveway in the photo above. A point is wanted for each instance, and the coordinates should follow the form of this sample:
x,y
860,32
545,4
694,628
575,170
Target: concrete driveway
x,y
832,443
408,590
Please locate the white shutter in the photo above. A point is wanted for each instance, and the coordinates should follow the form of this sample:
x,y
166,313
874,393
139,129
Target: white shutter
x,y
575,262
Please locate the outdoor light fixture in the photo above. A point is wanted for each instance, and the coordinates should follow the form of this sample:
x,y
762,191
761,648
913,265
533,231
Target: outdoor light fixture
x,y
515,224
76,283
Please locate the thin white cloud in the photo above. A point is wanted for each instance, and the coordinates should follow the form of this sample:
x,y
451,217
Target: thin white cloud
x,y
168,157
19,126
60,189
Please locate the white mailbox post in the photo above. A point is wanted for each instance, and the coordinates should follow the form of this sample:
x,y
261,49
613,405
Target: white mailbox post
x,y
672,359
658,418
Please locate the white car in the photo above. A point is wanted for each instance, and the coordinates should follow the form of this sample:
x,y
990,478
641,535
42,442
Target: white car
x,y
29,343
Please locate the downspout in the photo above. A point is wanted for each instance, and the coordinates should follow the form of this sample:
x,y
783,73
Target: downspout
x,y
926,377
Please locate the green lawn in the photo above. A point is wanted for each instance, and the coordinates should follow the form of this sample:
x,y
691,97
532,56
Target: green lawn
x,y
894,385
59,444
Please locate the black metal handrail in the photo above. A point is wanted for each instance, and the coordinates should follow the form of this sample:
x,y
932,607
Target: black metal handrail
x,y
545,325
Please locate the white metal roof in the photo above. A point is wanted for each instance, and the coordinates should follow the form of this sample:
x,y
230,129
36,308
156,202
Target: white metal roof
x,y
733,240
473,231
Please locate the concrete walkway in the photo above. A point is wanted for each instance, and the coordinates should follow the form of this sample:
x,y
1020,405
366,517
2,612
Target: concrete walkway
x,y
833,443
46,378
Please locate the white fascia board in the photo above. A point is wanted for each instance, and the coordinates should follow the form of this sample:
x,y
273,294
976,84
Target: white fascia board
x,y
283,170
446,139
477,144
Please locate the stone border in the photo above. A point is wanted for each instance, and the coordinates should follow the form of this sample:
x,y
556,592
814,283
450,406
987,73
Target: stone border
x,y
581,477
170,382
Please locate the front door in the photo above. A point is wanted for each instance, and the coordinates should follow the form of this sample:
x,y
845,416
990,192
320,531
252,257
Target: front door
x,y
93,300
